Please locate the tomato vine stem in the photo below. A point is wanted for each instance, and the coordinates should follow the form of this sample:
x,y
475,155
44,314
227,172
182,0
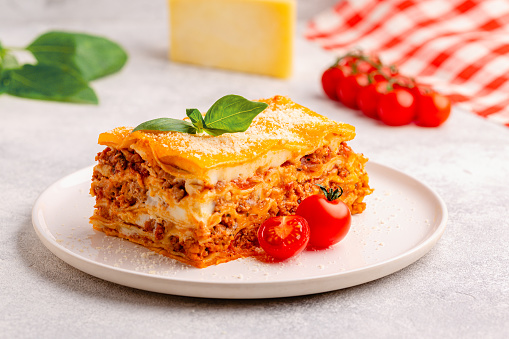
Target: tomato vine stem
x,y
330,193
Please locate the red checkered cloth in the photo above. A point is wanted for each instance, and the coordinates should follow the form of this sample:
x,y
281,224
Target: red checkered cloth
x,y
460,47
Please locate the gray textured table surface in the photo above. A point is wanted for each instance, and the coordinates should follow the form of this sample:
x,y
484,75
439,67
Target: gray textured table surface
x,y
459,289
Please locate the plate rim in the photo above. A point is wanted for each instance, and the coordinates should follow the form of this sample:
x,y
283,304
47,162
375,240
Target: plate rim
x,y
106,271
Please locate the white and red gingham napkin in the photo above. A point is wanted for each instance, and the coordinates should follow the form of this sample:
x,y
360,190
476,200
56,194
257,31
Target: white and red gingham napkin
x,y
460,47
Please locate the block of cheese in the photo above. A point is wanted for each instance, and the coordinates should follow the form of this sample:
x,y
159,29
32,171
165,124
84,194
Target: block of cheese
x,y
254,36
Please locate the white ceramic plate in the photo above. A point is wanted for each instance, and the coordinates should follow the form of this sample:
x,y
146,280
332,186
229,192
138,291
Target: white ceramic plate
x,y
403,220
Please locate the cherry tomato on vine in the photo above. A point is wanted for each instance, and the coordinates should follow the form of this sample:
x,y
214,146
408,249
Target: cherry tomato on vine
x,y
369,97
378,77
365,67
330,80
349,88
362,63
421,89
401,81
284,237
397,107
433,109
348,60
398,100
388,71
328,218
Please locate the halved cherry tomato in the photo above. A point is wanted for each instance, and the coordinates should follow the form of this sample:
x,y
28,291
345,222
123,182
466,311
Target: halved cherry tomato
x,y
397,107
284,237
329,220
349,88
330,80
369,97
433,109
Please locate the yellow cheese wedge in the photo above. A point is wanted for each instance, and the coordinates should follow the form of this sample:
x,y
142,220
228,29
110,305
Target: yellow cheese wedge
x,y
254,36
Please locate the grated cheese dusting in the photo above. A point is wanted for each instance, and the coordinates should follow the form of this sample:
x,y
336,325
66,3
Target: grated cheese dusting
x,y
282,124
283,130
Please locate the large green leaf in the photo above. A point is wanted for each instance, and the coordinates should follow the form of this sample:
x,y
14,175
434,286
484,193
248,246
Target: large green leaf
x,y
165,125
232,113
196,118
47,82
3,82
92,56
9,61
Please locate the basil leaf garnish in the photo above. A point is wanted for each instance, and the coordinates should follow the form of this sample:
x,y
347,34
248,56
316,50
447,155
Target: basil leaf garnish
x,y
165,125
216,132
230,114
196,118
91,56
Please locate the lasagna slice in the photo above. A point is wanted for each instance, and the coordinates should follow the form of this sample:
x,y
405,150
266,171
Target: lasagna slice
x,y
200,199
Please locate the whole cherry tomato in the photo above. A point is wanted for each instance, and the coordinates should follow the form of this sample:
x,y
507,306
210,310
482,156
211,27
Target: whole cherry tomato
x,y
388,71
284,237
369,97
361,81
401,81
433,109
362,63
328,218
365,67
349,88
349,60
330,80
397,107
421,89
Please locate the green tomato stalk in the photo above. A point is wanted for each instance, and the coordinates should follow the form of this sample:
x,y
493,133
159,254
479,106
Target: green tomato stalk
x,y
331,194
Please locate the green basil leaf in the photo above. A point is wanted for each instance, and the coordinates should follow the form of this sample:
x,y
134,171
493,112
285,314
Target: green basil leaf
x,y
4,80
92,56
9,61
48,83
232,113
196,118
215,132
165,125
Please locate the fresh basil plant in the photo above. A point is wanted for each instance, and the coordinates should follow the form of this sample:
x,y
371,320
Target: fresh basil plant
x,y
66,63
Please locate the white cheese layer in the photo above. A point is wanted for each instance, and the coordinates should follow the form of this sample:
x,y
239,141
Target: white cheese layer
x,y
188,213
271,159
